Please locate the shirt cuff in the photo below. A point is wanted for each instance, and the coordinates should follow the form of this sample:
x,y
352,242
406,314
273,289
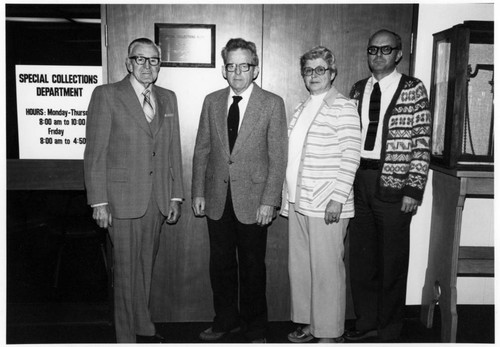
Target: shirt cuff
x,y
100,204
105,203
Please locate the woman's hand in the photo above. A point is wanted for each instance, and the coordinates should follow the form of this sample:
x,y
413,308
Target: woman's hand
x,y
332,212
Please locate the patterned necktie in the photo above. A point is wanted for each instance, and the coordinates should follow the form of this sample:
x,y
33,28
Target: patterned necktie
x,y
374,115
147,107
233,121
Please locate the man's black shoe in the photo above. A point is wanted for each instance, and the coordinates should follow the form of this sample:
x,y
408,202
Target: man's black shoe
x,y
356,335
156,338
210,335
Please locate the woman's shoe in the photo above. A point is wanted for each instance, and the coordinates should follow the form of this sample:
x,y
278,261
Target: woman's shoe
x,y
299,336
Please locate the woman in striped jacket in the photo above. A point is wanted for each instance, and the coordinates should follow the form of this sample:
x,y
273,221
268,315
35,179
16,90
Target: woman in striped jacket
x,y
323,156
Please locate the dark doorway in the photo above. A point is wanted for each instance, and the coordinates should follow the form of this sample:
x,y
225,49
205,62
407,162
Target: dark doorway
x,y
55,253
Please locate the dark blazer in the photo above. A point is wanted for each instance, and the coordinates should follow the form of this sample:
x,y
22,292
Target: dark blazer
x,y
124,157
256,167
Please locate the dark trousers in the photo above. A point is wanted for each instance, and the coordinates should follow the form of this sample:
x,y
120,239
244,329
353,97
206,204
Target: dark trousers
x,y
238,251
378,254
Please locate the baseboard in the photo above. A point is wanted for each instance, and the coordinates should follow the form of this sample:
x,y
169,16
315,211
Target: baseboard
x,y
413,311
35,314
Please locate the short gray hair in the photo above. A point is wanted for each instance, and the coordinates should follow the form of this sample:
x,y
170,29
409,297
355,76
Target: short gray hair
x,y
319,52
142,41
239,43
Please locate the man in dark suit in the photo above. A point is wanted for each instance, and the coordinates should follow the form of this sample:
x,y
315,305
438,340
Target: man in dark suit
x,y
238,171
133,177
388,188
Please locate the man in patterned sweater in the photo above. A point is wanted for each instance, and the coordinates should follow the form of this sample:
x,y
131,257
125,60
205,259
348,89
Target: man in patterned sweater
x,y
388,188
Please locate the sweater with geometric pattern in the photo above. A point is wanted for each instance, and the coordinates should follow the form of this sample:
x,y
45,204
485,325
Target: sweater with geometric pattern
x,y
406,139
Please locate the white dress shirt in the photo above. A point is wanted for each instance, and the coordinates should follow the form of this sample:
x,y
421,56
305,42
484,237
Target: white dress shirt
x,y
388,86
242,105
139,89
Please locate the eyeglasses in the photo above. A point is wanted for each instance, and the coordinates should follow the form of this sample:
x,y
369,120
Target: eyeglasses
x,y
153,61
386,50
244,67
320,70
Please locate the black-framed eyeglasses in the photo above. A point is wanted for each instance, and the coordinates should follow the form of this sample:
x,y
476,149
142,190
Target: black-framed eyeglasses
x,y
153,61
244,67
386,50
320,70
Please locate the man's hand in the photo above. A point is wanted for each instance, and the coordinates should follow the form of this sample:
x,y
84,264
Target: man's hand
x,y
102,215
409,205
332,212
198,206
265,214
174,212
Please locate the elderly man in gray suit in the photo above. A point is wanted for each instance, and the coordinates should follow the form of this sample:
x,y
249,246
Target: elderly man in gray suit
x,y
133,175
238,171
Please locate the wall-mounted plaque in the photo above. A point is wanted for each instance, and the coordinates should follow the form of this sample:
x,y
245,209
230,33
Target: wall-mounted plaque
x,y
186,45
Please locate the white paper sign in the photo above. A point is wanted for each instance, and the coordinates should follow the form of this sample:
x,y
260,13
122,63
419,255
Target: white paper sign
x,y
52,104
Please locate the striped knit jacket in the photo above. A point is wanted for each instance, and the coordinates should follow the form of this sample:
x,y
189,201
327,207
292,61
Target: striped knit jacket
x,y
329,159
407,136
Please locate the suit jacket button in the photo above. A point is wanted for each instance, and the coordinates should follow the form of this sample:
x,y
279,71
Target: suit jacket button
x,y
150,173
154,153
230,162
225,181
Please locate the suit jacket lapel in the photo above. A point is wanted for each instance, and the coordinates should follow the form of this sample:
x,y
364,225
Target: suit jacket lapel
x,y
221,119
250,118
162,108
129,98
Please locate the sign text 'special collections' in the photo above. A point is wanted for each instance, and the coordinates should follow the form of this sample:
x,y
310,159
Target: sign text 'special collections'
x,y
52,104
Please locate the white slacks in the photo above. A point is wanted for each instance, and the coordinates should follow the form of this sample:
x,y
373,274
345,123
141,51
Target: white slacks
x,y
317,273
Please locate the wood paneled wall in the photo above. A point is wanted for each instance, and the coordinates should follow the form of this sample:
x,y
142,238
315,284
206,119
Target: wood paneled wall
x,y
182,291
282,34
291,30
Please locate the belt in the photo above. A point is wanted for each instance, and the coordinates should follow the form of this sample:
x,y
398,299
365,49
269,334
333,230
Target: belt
x,y
369,164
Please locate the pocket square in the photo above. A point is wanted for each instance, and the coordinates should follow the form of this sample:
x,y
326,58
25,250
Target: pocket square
x,y
168,115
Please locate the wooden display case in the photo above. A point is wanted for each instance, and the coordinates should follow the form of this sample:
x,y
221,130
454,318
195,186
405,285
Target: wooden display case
x,y
462,98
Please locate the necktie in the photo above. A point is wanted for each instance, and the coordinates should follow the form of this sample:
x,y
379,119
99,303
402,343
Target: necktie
x,y
374,115
233,121
147,107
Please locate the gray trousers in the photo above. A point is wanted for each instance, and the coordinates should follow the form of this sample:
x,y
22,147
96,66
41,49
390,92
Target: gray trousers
x,y
135,245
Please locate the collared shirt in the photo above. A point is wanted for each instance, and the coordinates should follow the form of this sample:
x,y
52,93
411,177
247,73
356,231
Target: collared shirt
x,y
296,142
388,86
139,89
243,102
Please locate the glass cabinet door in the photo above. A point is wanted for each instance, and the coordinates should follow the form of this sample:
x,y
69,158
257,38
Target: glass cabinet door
x,y
441,72
478,120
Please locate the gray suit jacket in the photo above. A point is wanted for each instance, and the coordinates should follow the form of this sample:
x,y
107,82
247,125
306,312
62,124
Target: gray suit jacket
x,y
124,157
255,168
